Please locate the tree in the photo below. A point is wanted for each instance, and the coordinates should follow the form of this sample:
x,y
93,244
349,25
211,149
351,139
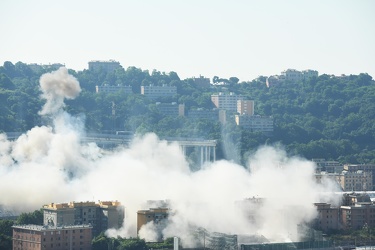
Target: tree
x,y
35,218
234,80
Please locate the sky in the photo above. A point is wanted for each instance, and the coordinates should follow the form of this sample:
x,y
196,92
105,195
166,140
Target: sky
x,y
242,38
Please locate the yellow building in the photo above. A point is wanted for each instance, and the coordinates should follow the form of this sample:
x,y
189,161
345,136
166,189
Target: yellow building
x,y
158,216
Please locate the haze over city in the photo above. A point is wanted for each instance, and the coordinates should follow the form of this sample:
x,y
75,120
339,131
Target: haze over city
x,y
244,39
52,163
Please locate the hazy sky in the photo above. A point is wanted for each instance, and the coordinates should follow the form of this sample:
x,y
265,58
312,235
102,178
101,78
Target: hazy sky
x,y
241,38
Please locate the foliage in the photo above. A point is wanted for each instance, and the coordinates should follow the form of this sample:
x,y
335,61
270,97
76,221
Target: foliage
x,y
35,218
103,242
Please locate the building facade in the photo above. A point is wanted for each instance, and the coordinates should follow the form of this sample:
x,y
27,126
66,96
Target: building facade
x,y
328,217
107,66
113,88
170,109
225,101
158,216
36,237
357,216
255,123
245,107
102,215
200,113
357,181
154,92
363,167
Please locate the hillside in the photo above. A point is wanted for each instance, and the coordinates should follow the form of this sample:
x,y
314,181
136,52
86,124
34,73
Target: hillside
x,y
323,117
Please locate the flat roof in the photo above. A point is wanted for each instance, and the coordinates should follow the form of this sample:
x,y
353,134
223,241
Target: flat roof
x,y
51,228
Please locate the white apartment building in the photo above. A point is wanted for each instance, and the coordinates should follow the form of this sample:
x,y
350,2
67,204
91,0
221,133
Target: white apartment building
x,y
154,92
292,75
113,88
226,101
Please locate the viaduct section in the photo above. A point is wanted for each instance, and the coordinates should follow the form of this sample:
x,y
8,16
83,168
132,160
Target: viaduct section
x,y
205,148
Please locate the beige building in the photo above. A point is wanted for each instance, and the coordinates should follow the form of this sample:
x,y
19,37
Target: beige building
x,y
245,107
356,181
356,216
158,216
36,237
292,75
363,167
348,181
102,215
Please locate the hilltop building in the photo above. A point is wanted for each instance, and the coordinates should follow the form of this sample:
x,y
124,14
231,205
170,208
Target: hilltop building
x,y
107,66
102,215
35,237
291,75
154,92
202,82
41,68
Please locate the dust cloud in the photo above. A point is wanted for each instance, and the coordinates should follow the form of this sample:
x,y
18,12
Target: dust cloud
x,y
52,164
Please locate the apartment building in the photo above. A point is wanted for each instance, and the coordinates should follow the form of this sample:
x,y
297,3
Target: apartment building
x,y
356,216
36,237
363,167
357,181
291,75
328,166
154,92
255,123
113,89
225,101
328,217
245,107
107,66
102,215
200,113
158,216
171,109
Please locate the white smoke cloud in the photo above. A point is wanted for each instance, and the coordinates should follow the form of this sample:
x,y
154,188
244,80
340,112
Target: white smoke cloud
x,y
56,86
50,164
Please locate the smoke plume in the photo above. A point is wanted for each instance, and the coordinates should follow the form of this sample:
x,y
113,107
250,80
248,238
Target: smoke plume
x,y
51,164
57,86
